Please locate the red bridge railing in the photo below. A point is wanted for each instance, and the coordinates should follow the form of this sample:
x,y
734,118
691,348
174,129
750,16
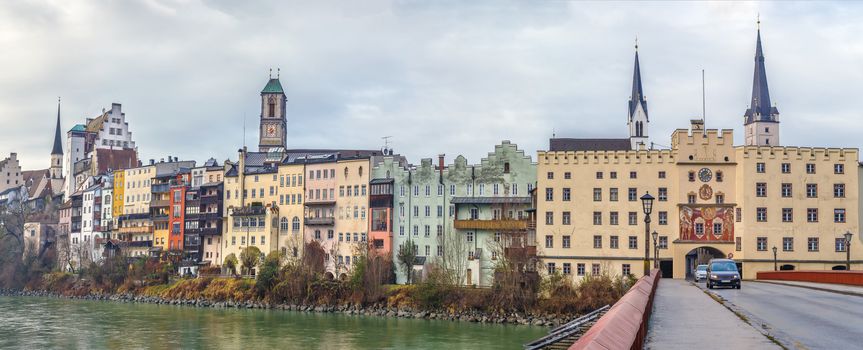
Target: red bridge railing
x,y
624,326
854,278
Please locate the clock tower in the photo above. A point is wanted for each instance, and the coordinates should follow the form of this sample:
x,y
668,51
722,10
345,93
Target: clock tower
x,y
273,130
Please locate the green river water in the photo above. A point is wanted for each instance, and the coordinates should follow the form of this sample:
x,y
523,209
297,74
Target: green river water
x,y
52,323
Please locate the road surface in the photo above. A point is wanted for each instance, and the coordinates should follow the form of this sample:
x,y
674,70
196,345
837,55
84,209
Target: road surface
x,y
684,317
813,318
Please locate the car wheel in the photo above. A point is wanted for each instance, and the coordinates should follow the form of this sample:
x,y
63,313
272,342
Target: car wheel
x,y
709,286
738,286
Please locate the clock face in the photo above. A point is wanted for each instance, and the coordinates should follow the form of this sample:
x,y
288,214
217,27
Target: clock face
x,y
705,175
271,131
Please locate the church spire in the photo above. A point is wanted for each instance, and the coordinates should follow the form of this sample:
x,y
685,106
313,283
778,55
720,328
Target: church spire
x,y
760,108
58,146
637,96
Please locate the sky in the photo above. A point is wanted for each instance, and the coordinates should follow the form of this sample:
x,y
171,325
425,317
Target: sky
x,y
446,77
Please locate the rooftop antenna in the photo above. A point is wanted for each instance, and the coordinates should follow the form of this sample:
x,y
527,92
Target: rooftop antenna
x,y
553,134
386,141
271,73
278,73
703,104
244,130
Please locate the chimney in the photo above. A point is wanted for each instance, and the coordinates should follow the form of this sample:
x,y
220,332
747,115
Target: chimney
x,y
440,158
152,161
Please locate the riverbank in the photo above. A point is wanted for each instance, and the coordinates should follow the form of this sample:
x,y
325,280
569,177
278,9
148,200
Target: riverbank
x,y
476,316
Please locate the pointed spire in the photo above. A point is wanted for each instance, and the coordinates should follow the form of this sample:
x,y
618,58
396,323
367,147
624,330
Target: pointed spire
x,y
58,146
760,108
637,96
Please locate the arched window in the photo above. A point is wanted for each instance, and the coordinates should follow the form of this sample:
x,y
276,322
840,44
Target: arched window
x,y
346,172
272,107
295,224
361,171
283,224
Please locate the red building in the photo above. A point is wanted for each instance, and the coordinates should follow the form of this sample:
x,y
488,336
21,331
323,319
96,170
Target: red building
x,y
177,210
381,209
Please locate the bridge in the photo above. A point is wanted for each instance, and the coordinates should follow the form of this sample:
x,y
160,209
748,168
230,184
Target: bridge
x,y
778,310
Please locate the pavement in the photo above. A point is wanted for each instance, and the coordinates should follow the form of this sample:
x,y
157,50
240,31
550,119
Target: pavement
x,y
684,317
827,287
799,318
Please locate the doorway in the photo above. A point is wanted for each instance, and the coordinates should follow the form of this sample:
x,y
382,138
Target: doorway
x,y
700,256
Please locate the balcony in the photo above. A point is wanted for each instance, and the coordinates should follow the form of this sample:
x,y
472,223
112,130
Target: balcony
x,y
159,203
210,199
211,231
140,244
160,218
331,201
161,188
492,225
137,229
320,221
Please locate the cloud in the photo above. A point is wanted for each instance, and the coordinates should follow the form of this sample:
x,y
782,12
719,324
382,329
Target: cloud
x,y
440,77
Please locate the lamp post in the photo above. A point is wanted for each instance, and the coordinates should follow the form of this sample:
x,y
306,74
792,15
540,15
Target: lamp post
x,y
848,235
655,250
774,259
647,206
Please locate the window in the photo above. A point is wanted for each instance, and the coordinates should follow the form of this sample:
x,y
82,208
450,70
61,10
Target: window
x,y
549,194
612,175
550,175
440,211
626,270
812,244
633,242
839,215
787,215
597,242
699,228
761,214
566,194
614,242
579,269
599,175
661,175
567,268
719,176
839,190
786,190
567,175
691,176
810,168
811,190
550,268
594,269
566,241
633,218
663,218
428,190
761,189
597,218
787,244
720,198
427,211
663,242
440,189
812,215
690,198
549,241
838,168
759,167
470,237
633,175
840,245
786,168
567,218
761,244
613,218
506,168
597,194
738,244
663,194
549,218
717,228
612,194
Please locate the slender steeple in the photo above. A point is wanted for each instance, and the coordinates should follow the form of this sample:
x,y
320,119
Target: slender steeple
x,y
760,108
637,96
637,114
58,146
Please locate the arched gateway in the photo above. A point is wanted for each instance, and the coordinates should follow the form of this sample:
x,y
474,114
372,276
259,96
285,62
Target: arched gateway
x,y
689,255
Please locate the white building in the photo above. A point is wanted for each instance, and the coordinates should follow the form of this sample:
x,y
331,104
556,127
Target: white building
x,y
10,172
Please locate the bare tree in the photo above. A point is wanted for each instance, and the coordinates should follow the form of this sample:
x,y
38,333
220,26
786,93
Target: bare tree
x,y
453,261
406,256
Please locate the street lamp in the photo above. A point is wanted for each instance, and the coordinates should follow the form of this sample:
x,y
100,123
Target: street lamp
x,y
774,259
848,235
655,250
647,206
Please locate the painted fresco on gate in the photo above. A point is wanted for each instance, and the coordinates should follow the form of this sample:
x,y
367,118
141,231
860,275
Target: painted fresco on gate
x,y
691,218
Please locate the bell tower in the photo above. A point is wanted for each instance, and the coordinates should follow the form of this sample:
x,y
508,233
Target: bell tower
x,y
273,130
56,168
761,120
637,120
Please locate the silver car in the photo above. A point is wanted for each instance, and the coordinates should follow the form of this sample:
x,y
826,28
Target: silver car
x,y
700,272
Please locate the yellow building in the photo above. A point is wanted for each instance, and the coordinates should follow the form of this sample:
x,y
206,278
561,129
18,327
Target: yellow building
x,y
134,226
291,209
119,198
352,201
712,200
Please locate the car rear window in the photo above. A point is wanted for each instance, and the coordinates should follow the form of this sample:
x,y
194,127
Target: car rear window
x,y
701,267
723,266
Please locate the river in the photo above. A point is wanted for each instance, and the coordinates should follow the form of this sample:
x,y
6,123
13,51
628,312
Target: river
x,y
54,323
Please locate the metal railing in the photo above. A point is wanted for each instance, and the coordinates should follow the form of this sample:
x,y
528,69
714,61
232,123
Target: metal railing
x,y
560,333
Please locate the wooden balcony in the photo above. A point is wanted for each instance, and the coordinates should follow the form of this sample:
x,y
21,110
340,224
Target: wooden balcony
x,y
492,225
137,229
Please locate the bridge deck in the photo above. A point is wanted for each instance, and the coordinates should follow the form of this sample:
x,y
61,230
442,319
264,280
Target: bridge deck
x,y
685,318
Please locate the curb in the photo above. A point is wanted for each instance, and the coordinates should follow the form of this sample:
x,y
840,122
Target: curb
x,y
811,287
